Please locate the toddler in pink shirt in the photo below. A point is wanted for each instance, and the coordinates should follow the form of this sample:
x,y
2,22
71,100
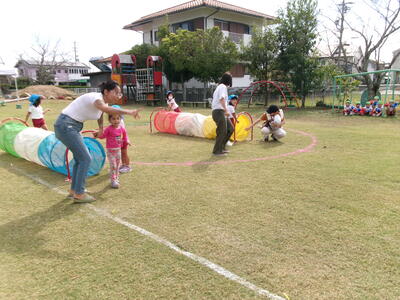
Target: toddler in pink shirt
x,y
115,136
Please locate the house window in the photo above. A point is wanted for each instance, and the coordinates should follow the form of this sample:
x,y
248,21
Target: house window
x,y
156,38
188,25
151,37
223,25
232,26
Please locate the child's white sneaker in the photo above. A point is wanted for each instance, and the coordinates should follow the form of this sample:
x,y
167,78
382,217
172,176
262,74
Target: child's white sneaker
x,y
115,184
229,143
125,169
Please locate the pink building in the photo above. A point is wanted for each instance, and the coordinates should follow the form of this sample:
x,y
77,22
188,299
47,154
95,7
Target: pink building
x,y
68,72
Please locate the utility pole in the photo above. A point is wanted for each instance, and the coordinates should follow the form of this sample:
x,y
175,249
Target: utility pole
x,y
343,8
75,52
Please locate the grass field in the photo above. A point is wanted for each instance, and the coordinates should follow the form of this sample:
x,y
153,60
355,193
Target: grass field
x,y
322,224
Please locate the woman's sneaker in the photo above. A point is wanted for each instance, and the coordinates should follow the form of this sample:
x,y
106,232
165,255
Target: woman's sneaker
x,y
125,169
84,199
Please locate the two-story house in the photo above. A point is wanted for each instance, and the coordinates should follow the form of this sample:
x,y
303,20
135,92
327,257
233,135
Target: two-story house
x,y
234,21
352,60
64,73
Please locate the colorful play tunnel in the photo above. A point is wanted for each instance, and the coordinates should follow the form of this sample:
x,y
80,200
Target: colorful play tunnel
x,y
42,147
197,125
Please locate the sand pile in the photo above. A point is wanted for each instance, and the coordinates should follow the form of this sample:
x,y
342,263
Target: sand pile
x,y
49,91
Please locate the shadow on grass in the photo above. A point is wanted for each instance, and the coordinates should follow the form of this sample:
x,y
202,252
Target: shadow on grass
x,y
180,137
22,236
271,144
202,165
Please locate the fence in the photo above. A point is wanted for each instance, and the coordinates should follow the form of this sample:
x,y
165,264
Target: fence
x,y
202,95
194,94
81,91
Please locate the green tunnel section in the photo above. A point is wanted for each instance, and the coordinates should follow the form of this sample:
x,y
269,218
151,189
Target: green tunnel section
x,y
8,132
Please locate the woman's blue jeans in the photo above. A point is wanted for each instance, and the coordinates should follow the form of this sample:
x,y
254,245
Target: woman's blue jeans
x,y
68,132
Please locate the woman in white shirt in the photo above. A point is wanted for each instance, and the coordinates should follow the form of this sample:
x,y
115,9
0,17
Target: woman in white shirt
x,y
90,106
219,114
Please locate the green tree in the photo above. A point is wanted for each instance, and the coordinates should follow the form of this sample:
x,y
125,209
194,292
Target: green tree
x,y
203,54
142,52
177,51
261,53
324,76
214,55
297,38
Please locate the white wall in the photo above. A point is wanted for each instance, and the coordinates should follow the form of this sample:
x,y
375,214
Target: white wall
x,y
198,13
211,14
244,81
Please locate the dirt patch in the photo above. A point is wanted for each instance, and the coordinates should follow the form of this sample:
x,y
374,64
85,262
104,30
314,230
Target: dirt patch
x,y
49,91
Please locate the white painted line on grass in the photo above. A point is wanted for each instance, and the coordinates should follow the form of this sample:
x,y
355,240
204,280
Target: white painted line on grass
x,y
203,261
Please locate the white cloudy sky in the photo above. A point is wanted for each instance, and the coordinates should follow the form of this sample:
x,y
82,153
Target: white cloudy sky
x,y
96,26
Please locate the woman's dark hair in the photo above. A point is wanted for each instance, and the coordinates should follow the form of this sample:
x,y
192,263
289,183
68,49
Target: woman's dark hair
x,y
37,102
272,109
226,79
108,85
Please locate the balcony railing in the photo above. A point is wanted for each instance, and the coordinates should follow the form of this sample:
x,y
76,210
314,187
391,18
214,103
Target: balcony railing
x,y
236,37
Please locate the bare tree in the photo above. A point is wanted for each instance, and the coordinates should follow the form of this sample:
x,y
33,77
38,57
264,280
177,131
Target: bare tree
x,y
374,40
336,29
48,57
373,37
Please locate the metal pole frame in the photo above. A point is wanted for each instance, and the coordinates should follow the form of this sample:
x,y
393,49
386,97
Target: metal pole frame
x,y
260,83
394,71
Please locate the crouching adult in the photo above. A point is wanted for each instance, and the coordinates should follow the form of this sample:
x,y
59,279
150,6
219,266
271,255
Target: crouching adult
x,y
273,120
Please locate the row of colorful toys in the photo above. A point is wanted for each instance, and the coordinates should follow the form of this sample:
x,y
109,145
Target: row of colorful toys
x,y
374,108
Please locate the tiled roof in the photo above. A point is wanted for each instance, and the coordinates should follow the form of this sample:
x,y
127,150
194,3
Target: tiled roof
x,y
196,4
48,63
